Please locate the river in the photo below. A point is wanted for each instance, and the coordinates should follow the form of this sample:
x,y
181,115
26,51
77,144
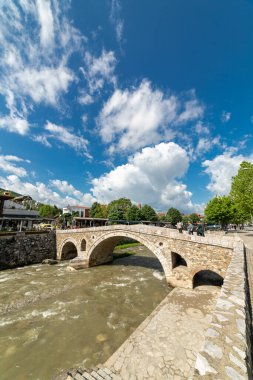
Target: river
x,y
52,319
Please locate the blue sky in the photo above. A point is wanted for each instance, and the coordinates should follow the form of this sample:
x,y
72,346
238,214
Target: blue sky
x,y
102,99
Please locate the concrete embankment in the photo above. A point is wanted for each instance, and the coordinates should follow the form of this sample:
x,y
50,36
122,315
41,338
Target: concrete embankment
x,y
22,248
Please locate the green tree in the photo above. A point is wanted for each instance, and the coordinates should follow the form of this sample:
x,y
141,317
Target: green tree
x,y
173,216
116,213
48,211
97,210
122,205
185,219
148,213
242,190
134,213
194,218
220,210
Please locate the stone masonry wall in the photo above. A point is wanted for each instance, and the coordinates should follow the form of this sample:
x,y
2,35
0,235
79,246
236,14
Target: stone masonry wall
x,y
226,353
24,249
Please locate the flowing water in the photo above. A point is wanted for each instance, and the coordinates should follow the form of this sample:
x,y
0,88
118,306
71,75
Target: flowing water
x,y
52,319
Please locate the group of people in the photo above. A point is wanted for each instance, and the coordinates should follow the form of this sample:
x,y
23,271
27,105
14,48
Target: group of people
x,y
200,229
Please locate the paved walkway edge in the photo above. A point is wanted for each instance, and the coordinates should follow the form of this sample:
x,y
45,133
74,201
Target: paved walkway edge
x,y
226,352
109,363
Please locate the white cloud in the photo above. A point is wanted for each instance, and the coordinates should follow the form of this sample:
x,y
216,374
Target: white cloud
x,y
150,176
193,110
46,23
99,71
202,129
62,134
44,193
85,99
35,69
135,118
42,139
205,144
221,170
225,117
66,188
7,164
44,85
116,20
14,124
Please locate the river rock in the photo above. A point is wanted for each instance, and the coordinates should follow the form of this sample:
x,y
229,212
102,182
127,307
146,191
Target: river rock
x,y
79,262
49,261
70,269
101,338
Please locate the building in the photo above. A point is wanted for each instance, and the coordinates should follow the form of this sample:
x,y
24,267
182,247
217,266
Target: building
x,y
82,211
14,216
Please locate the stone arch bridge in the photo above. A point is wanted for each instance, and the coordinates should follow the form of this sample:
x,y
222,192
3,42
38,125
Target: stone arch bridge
x,y
182,256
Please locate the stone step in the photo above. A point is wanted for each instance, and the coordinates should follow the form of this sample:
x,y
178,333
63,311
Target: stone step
x,y
96,373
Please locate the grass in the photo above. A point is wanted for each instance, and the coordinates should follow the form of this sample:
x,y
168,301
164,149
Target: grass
x,y
123,254
123,246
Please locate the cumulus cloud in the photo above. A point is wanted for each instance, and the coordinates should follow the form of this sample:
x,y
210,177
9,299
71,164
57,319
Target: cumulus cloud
x,y
150,176
132,119
221,170
8,165
65,136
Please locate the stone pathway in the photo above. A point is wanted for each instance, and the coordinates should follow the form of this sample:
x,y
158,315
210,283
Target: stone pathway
x,y
165,345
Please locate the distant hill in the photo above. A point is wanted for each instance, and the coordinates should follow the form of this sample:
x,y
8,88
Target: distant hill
x,y
11,192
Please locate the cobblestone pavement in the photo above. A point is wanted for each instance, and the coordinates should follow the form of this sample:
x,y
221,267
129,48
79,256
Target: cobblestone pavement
x,y
165,345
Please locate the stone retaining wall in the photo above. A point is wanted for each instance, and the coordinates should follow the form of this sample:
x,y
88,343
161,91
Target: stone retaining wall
x,y
25,249
226,352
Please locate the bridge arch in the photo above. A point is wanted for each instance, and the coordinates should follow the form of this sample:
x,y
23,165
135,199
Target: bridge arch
x,y
68,249
101,251
205,276
177,260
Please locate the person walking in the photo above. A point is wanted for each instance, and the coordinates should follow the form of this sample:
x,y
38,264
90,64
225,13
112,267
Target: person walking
x,y
179,226
190,228
200,229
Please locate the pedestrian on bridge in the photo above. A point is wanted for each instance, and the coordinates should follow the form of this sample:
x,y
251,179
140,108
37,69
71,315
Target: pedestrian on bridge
x,y
190,228
180,227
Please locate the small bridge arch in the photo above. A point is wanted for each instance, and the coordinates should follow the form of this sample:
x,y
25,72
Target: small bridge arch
x,y
207,277
83,245
68,250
